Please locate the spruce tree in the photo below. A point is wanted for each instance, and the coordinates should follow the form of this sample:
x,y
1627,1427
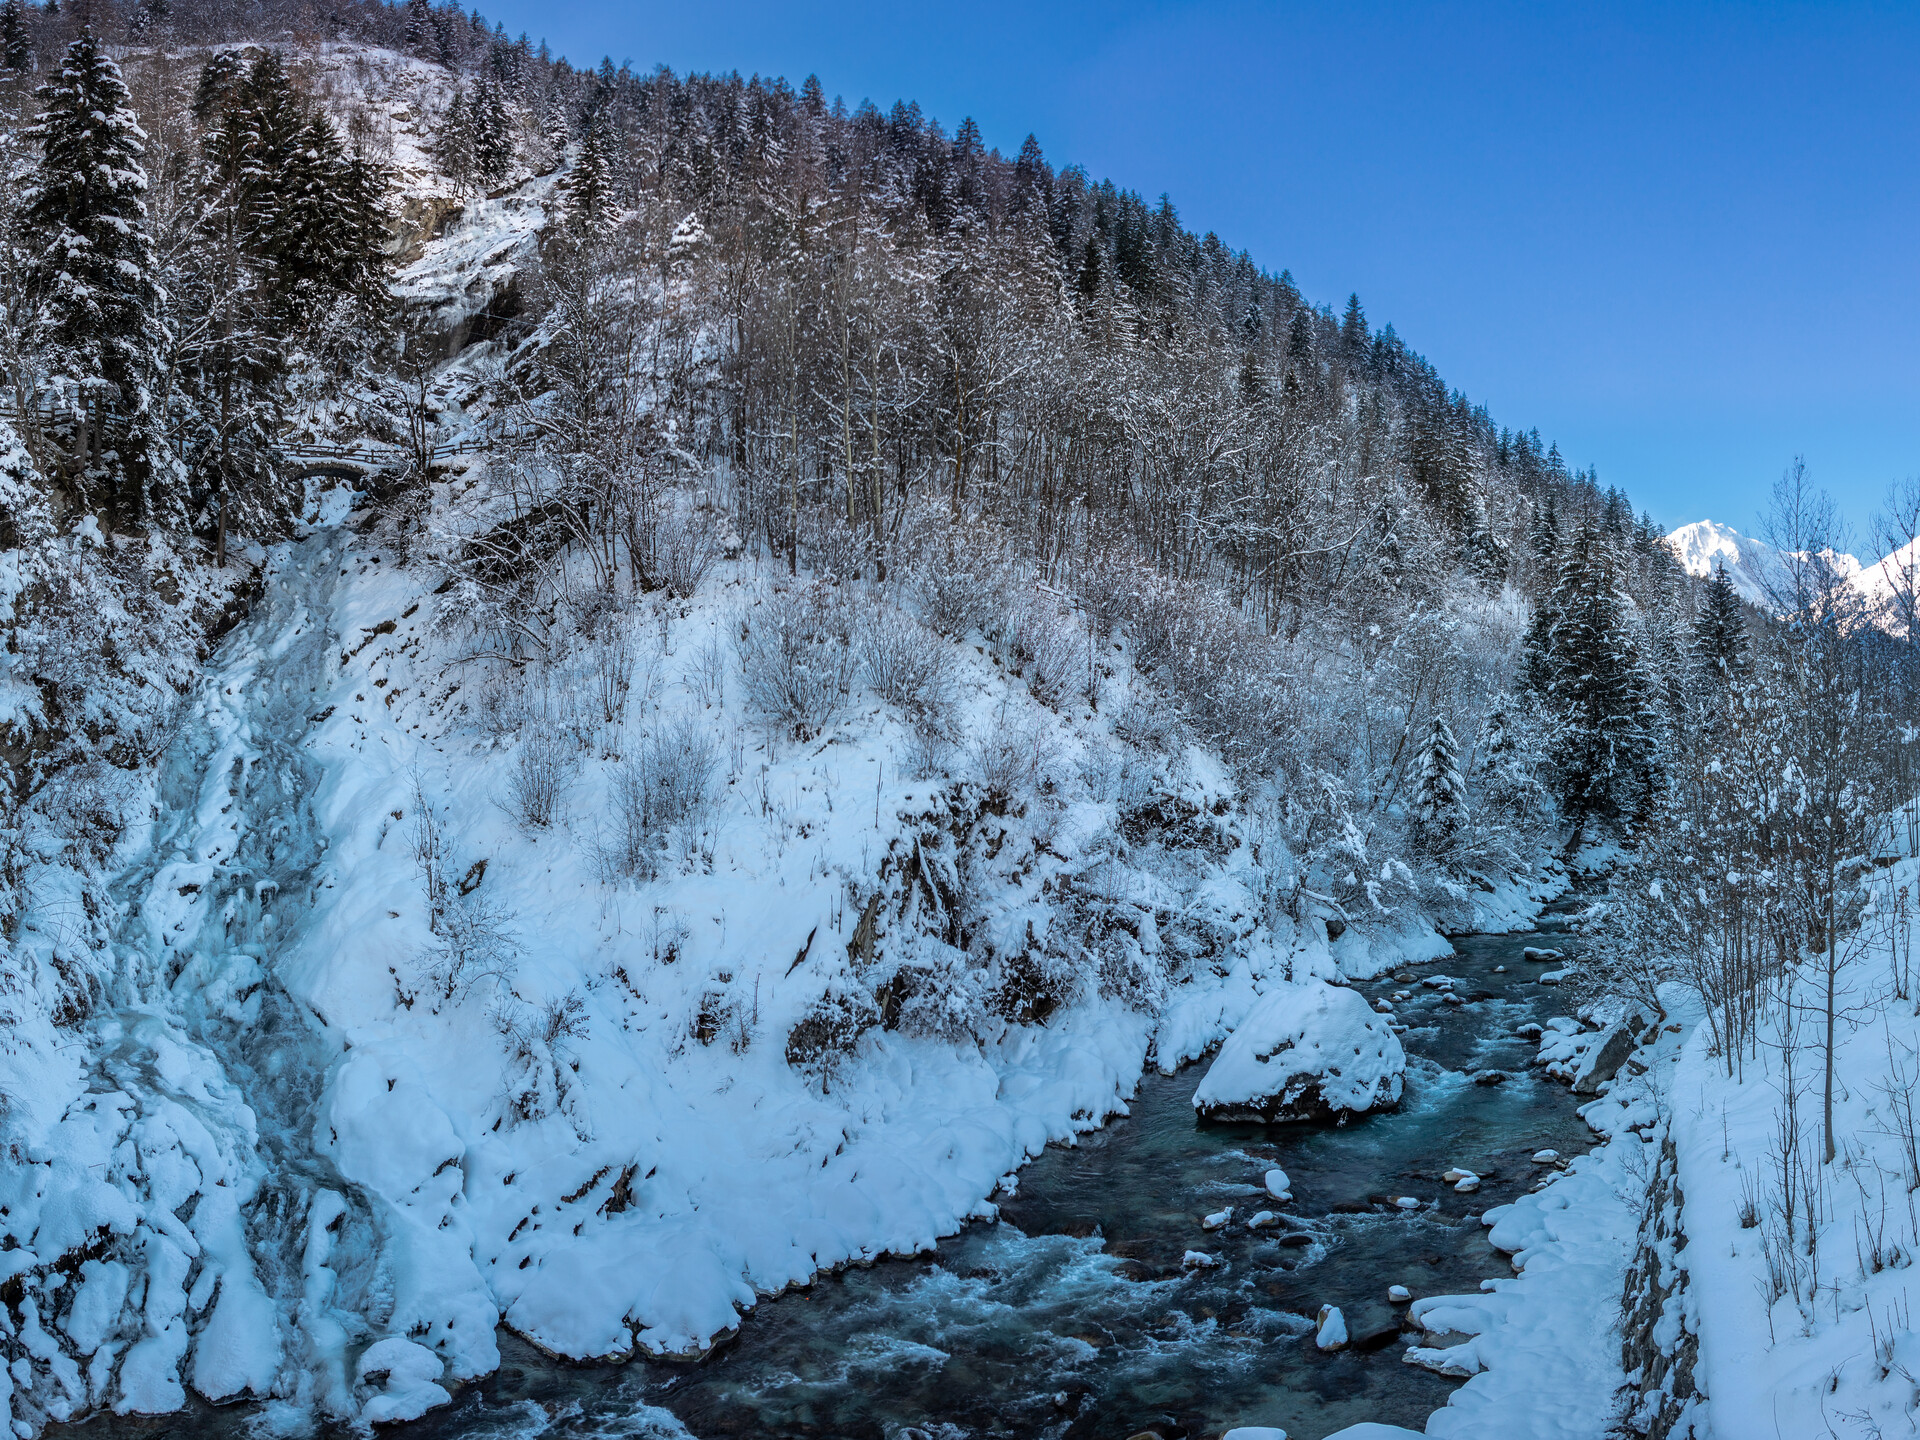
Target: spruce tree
x,y
16,38
1354,335
554,127
1585,662
1543,534
1440,792
230,370
1496,738
277,175
420,29
90,274
1719,646
453,147
492,135
589,186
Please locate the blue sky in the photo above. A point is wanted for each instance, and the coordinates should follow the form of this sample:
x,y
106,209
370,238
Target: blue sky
x,y
1682,240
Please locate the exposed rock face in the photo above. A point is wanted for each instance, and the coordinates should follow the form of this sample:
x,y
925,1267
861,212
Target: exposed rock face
x,y
1309,1051
1658,1345
1604,1060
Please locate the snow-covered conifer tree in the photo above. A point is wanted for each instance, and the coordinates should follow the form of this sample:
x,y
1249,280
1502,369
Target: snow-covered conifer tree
x,y
1720,632
453,146
492,134
1585,661
589,184
99,319
16,38
1440,793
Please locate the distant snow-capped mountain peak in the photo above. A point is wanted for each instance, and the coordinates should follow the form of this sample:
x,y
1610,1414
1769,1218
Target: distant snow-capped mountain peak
x,y
1756,568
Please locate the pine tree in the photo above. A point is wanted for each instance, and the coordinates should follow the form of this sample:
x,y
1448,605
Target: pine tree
x,y
16,38
230,371
277,176
1543,534
1719,645
589,186
420,29
554,127
492,135
1440,793
1496,738
91,275
1585,661
1354,335
453,147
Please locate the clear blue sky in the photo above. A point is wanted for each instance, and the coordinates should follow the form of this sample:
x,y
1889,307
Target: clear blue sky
x,y
1683,240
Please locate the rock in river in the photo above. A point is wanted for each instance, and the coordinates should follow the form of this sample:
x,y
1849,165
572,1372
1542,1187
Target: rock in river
x,y
1309,1051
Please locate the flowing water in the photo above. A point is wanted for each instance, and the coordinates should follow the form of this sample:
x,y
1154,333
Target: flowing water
x,y
1075,1316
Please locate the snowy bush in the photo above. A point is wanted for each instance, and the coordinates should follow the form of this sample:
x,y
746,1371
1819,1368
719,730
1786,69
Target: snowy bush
x,y
611,667
908,665
539,1041
685,547
706,676
1046,646
667,782
831,1029
796,659
88,807
1032,984
936,992
474,946
539,778
1014,756
961,583
473,939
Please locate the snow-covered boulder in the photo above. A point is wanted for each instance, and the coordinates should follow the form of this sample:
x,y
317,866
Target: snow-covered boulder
x,y
1305,1052
1604,1059
1332,1334
407,1377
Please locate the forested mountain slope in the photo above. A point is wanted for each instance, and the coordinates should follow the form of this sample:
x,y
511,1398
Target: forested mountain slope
x,y
769,658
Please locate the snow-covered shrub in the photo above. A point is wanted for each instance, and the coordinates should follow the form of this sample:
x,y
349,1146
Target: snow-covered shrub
x,y
830,547
926,753
685,547
474,946
666,782
539,778
706,676
539,1046
909,665
1046,647
796,659
88,806
1015,756
831,1029
610,667
961,581
1031,984
935,992
473,939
